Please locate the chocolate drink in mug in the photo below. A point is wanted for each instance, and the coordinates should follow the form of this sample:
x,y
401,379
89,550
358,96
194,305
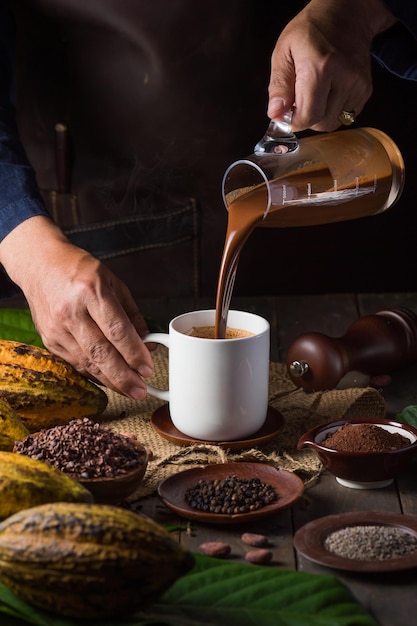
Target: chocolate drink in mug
x,y
218,390
208,332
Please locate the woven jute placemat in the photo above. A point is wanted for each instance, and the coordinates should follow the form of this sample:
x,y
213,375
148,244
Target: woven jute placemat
x,y
301,411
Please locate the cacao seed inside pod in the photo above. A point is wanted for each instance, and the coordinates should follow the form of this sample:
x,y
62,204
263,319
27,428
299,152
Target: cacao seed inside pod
x,y
88,561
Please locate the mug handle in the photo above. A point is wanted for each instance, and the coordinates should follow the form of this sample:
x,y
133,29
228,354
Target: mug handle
x,y
162,338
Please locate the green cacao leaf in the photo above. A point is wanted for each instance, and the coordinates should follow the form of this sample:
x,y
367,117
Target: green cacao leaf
x,y
17,325
408,416
223,593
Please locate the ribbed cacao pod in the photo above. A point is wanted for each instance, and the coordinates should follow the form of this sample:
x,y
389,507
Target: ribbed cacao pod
x,y
43,389
88,561
11,427
26,482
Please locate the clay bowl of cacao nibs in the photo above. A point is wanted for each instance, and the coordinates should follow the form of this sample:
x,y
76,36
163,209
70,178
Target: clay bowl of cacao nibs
x,y
108,464
363,453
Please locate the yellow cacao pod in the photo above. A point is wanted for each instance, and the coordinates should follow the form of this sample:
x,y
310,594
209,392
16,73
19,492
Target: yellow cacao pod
x,y
11,427
88,561
26,482
43,389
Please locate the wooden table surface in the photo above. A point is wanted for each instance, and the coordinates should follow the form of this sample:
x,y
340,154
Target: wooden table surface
x,y
390,598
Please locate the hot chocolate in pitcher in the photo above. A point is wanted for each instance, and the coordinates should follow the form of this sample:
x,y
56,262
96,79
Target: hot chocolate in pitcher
x,y
320,179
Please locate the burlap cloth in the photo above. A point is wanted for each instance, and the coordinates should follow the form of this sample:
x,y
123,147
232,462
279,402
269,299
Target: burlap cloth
x,y
301,412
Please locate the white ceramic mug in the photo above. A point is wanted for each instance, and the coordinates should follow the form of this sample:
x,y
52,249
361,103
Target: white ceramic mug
x,y
218,388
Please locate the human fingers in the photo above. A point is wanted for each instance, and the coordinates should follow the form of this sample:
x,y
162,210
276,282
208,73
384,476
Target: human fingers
x,y
282,83
90,353
71,352
110,341
324,91
300,78
95,325
347,93
320,69
85,346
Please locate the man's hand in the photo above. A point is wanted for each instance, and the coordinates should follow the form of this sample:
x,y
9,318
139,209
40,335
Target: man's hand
x,y
81,310
321,63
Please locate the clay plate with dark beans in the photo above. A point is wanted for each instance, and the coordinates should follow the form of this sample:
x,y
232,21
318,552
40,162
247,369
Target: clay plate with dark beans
x,y
288,486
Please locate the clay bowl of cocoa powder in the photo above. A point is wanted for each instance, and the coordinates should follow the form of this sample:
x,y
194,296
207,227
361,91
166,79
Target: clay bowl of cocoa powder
x,y
363,453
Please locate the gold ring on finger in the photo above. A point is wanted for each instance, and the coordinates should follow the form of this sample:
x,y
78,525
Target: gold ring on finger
x,y
346,118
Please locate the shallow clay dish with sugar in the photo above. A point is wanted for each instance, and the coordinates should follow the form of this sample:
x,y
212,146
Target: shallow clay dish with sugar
x,y
309,541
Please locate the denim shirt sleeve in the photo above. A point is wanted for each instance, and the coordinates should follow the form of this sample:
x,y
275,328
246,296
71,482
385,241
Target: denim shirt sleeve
x,y
19,194
396,49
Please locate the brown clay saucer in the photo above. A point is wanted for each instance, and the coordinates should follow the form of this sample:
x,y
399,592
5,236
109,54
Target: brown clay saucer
x,y
309,541
162,423
289,488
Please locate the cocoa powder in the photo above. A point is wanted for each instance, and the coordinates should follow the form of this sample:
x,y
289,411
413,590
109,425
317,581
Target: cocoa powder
x,y
364,438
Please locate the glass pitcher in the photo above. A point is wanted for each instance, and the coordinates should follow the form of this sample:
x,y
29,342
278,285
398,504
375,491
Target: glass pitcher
x,y
319,179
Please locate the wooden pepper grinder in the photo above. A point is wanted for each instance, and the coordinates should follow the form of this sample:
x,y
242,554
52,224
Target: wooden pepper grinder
x,y
373,345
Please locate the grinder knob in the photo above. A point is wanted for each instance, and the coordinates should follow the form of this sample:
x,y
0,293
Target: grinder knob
x,y
373,345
